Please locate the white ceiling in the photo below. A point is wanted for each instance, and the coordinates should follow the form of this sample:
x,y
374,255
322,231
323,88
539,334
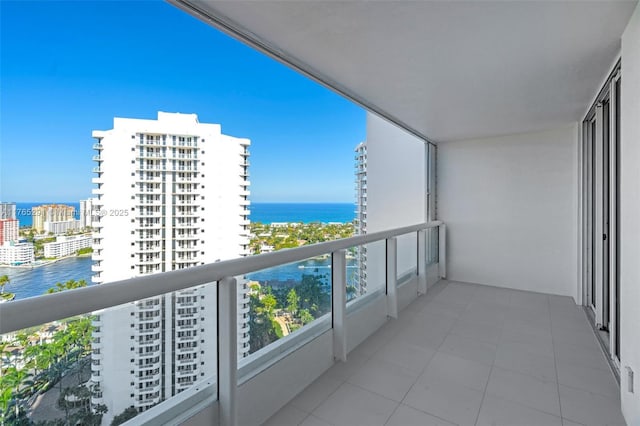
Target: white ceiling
x,y
449,70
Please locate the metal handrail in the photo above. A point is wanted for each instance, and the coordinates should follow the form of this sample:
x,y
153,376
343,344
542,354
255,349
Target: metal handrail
x,y
20,314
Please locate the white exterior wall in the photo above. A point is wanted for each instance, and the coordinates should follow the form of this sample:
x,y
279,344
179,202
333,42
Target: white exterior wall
x,y
10,229
17,253
86,213
630,219
65,246
395,192
361,214
7,210
143,229
62,227
510,205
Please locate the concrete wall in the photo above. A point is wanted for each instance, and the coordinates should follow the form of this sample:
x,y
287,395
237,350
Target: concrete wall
x,y
396,189
510,205
630,218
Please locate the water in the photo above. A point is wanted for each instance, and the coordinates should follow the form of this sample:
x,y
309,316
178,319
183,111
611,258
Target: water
x,y
260,212
302,212
292,272
36,281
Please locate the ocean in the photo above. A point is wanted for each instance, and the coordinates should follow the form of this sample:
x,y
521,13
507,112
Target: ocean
x,y
260,212
34,282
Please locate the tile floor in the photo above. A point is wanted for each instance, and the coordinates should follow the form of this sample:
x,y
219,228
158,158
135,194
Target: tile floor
x,y
468,355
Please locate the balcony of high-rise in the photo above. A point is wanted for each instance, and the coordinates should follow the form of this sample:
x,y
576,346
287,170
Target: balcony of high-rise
x,y
501,209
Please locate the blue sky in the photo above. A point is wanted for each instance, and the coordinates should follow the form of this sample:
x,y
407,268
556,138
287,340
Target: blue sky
x,y
68,68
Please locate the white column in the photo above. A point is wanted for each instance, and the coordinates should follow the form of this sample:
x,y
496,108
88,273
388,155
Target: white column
x,y
442,250
422,261
227,348
339,305
392,277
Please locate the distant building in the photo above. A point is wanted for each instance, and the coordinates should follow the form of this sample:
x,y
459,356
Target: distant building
x,y
87,213
62,227
9,230
51,213
360,221
13,253
8,211
65,246
172,194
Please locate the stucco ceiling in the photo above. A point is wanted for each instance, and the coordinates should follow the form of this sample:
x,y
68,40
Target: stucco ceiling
x,y
449,70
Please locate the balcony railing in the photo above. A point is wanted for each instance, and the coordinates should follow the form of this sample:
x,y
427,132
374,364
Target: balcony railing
x,y
424,238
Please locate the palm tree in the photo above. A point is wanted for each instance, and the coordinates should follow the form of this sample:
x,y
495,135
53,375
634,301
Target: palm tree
x,y
5,400
4,280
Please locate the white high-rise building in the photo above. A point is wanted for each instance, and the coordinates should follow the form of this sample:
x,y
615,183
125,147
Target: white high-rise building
x,y
87,213
7,211
172,193
360,221
66,245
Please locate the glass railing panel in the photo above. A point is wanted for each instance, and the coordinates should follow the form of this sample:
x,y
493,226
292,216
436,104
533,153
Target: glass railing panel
x,y
356,273
366,273
113,363
407,256
432,241
283,302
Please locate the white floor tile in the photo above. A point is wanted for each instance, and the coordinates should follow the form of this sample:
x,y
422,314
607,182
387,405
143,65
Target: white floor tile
x,y
351,405
287,416
453,369
408,355
312,420
498,411
525,390
407,416
584,339
471,349
477,329
316,393
384,378
343,370
589,408
542,367
578,355
452,402
589,379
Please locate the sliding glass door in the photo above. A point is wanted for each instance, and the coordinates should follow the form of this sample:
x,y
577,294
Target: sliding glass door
x,y
600,212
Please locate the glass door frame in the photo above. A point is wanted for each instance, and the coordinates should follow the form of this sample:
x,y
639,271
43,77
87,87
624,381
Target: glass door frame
x,y
600,184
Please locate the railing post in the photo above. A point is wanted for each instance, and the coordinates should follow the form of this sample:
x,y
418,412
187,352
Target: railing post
x,y
227,351
339,303
442,251
422,261
392,277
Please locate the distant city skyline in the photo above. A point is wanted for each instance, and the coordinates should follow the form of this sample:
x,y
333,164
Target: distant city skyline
x,y
57,86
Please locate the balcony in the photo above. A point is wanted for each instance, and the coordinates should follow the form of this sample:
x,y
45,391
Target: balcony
x,y
513,186
469,354
420,351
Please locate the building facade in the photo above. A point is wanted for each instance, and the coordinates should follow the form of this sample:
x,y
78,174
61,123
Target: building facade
x,y
9,230
62,227
87,213
13,253
65,246
8,211
360,221
173,193
51,213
